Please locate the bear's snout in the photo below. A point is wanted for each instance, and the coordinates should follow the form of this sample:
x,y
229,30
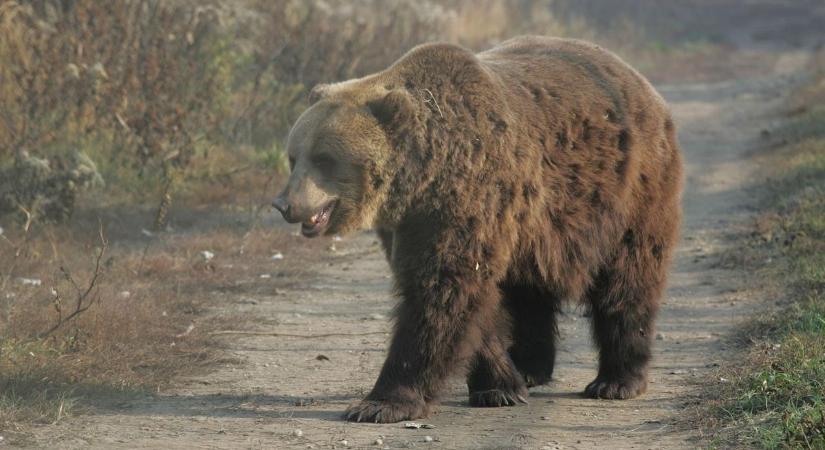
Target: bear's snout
x,y
282,205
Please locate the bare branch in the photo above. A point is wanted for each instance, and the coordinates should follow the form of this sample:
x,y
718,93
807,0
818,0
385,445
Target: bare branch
x,y
84,298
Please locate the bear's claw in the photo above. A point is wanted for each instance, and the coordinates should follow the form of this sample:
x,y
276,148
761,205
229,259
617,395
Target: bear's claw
x,y
616,389
383,411
496,397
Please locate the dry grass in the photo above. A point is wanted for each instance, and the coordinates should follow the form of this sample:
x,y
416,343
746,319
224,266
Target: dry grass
x,y
156,299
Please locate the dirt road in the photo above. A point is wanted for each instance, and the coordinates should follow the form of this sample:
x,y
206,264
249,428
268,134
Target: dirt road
x,y
289,392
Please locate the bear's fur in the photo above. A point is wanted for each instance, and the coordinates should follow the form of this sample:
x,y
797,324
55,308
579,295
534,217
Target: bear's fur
x,y
501,184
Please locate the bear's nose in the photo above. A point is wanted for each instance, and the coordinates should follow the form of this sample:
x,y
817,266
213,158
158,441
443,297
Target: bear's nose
x,y
281,204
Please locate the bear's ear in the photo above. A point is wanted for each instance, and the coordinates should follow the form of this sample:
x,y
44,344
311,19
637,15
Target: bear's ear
x,y
392,108
317,93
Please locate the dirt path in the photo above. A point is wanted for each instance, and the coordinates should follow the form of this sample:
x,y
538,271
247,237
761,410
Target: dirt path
x,y
285,385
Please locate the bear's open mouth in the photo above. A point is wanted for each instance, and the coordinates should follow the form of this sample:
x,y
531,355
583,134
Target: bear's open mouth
x,y
319,221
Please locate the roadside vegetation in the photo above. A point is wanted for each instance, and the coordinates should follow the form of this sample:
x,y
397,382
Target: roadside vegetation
x,y
776,398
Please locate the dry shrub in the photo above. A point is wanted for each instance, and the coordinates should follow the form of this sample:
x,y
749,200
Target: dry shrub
x,y
137,85
41,190
141,69
296,44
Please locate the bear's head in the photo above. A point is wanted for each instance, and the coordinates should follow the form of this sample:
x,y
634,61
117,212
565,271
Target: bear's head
x,y
340,157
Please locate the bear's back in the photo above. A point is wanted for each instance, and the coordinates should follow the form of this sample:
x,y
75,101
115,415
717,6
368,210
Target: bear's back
x,y
568,76
584,109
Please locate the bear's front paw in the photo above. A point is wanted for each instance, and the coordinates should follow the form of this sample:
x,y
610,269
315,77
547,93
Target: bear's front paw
x,y
386,411
498,397
616,389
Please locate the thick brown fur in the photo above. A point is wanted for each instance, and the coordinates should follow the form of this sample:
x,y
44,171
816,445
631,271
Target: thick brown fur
x,y
507,181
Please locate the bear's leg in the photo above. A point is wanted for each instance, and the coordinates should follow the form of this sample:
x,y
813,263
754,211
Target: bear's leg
x,y
534,331
435,333
447,308
623,301
493,379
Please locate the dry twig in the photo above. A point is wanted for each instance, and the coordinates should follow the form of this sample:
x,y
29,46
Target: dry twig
x,y
84,297
432,101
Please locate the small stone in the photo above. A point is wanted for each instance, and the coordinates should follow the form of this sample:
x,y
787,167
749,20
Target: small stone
x,y
378,441
660,336
278,256
297,432
416,425
428,438
31,281
344,442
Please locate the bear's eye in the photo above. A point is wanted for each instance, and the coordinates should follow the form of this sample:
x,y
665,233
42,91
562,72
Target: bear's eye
x,y
324,162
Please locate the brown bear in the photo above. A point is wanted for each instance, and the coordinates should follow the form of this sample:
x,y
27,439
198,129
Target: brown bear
x,y
501,184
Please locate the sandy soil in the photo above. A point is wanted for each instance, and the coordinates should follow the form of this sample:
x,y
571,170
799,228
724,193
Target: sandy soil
x,y
289,392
